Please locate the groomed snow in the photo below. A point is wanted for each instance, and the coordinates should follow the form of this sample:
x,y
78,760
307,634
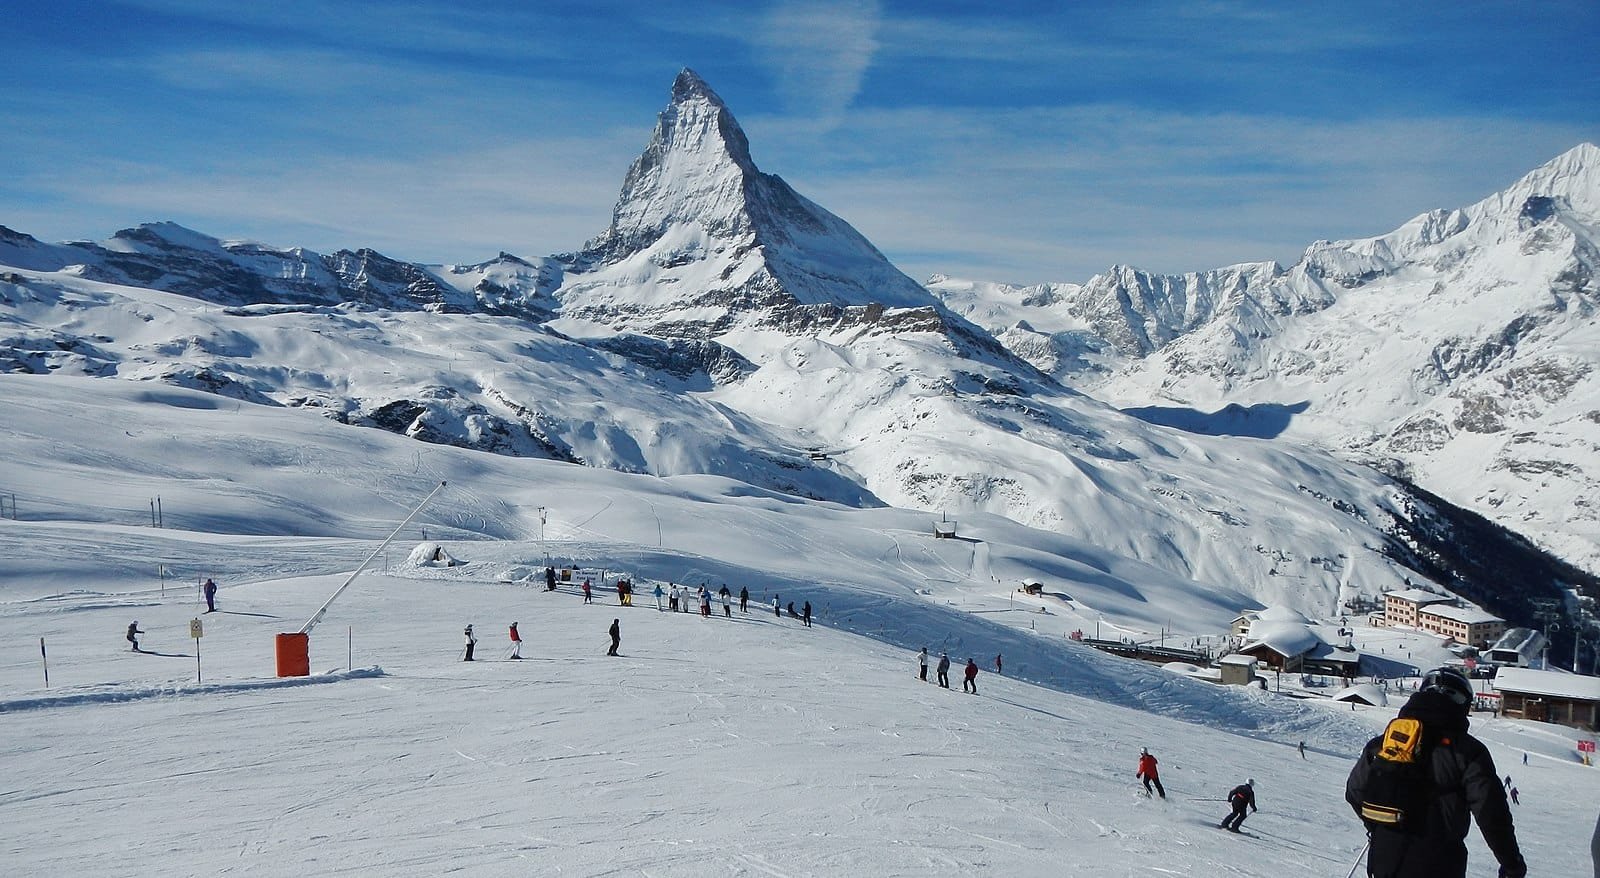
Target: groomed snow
x,y
749,746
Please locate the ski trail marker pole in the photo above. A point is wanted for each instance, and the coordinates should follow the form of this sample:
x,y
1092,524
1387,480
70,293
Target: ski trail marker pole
x,y
1357,863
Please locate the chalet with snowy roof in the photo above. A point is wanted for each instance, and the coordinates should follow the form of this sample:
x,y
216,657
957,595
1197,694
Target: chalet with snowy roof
x,y
1546,696
1516,648
1240,627
1293,646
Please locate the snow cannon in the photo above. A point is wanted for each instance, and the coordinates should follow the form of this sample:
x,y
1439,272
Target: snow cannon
x,y
294,650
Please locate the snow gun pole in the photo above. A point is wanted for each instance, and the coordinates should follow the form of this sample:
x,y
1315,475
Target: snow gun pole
x,y
323,610
1358,859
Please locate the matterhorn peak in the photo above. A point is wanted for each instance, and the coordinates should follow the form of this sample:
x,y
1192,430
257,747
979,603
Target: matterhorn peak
x,y
698,223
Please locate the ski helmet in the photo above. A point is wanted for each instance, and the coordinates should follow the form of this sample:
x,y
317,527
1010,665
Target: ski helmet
x,y
1451,683
1250,783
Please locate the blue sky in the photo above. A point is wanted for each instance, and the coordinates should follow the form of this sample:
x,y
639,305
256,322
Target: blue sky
x,y
1005,141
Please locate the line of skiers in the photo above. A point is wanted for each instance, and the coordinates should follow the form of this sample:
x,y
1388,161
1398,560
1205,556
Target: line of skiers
x,y
969,680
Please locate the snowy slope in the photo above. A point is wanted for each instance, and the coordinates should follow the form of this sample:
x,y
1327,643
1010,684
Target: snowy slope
x,y
748,746
1456,351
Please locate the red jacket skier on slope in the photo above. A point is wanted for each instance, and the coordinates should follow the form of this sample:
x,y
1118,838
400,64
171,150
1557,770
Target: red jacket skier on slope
x,y
1147,770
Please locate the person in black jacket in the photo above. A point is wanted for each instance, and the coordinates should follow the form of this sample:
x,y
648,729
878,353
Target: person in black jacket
x,y
1240,797
616,636
1463,784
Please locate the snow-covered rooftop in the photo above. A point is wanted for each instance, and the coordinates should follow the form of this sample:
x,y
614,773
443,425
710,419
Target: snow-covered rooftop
x,y
1536,682
1465,615
1418,596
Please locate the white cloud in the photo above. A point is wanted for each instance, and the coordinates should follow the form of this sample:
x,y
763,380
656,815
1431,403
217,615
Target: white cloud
x,y
818,53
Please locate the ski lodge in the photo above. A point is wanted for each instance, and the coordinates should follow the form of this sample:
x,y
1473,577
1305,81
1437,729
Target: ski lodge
x,y
1546,696
1441,614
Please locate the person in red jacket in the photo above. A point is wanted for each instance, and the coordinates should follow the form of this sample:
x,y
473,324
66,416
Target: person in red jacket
x,y
1147,770
516,642
970,684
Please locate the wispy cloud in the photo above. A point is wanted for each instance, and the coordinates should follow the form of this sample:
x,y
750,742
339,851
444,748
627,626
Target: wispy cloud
x,y
818,53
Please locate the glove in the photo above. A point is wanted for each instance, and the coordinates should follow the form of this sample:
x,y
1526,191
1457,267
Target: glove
x,y
1519,869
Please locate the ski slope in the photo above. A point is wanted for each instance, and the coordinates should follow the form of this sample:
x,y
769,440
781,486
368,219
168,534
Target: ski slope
x,y
743,746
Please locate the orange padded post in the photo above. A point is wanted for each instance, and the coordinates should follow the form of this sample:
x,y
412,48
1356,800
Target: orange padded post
x,y
294,655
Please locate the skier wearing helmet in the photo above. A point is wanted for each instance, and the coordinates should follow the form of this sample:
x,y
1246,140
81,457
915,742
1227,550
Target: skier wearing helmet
x,y
1240,797
1459,783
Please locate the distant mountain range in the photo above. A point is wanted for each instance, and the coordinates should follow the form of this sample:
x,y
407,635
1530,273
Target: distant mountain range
x,y
724,324
1458,351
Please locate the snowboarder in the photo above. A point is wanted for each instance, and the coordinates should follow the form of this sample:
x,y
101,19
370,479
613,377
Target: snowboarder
x,y
211,596
516,642
805,614
588,598
922,665
1240,797
997,663
944,670
970,682
792,613
672,596
1147,771
659,594
616,636
727,603
133,634
744,599
472,641
1459,783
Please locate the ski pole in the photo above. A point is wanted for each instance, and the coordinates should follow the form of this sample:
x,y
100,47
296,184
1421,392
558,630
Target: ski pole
x,y
1357,863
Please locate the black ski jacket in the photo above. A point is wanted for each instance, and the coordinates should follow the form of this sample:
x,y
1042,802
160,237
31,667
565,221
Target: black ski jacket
x,y
1465,785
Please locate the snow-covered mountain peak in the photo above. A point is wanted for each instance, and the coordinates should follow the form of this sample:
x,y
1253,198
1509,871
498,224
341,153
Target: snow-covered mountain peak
x,y
701,239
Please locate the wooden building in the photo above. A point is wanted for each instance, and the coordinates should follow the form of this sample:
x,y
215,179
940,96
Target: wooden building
x,y
1546,696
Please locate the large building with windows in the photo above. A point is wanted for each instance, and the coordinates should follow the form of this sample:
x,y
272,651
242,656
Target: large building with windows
x,y
1442,615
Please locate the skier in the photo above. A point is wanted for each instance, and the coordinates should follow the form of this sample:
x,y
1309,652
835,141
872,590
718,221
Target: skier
x,y
727,603
588,598
472,641
922,665
211,596
944,670
1514,799
744,599
616,636
1508,782
672,597
549,579
970,682
658,594
1147,770
805,614
1460,783
516,642
622,592
1240,797
705,602
775,613
997,663
792,613
133,635
1302,749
